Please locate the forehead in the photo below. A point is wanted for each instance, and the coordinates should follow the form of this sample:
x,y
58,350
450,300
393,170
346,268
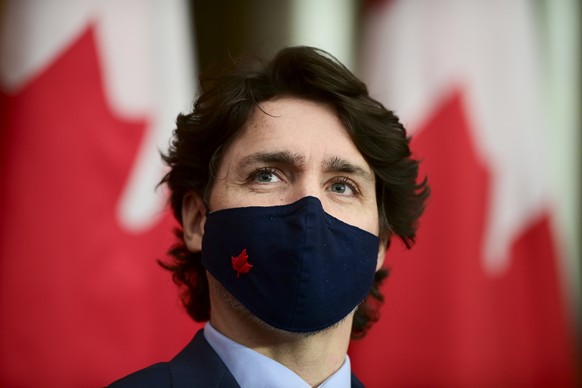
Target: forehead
x,y
303,127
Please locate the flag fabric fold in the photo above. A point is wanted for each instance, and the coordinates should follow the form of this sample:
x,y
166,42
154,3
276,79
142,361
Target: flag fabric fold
x,y
478,300
88,92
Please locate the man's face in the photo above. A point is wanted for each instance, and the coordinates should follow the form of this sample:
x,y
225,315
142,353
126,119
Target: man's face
x,y
293,148
288,149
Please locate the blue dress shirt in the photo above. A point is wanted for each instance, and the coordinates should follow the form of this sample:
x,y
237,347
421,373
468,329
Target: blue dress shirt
x,y
253,369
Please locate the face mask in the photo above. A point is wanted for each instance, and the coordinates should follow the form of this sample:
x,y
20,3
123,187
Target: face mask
x,y
295,267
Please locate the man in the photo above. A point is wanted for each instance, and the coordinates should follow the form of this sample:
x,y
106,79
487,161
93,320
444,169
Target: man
x,y
288,181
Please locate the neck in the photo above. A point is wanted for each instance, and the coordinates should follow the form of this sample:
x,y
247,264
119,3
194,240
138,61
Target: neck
x,y
312,357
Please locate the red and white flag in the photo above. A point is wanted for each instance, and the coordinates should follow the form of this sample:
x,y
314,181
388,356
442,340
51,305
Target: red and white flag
x,y
478,300
89,91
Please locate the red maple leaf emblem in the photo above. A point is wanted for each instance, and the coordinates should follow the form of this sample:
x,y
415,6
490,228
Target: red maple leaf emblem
x,y
240,263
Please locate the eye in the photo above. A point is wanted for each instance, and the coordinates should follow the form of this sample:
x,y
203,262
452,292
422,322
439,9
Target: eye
x,y
265,176
343,186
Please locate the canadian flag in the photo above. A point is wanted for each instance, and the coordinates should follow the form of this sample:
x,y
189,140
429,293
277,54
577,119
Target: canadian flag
x,y
478,300
89,91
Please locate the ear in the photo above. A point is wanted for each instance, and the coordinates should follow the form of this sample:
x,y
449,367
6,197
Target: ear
x,y
193,220
382,247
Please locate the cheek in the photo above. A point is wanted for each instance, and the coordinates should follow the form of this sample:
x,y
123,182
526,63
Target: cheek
x,y
372,224
365,219
220,195
371,221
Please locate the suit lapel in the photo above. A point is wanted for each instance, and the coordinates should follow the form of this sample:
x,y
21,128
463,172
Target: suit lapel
x,y
198,365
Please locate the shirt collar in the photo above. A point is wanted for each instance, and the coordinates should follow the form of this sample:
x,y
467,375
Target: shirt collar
x,y
253,369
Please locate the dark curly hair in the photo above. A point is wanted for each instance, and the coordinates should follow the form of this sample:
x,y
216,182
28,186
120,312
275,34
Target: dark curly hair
x,y
226,101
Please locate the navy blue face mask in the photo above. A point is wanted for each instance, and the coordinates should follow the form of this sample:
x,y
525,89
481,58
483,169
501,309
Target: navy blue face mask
x,y
295,267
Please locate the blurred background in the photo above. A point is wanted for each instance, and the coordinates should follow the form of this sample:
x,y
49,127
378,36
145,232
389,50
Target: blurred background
x,y
490,295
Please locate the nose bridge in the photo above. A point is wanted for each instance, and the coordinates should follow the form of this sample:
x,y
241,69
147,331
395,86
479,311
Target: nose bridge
x,y
309,184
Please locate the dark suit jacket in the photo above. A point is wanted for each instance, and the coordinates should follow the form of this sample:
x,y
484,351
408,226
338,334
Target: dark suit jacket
x,y
197,365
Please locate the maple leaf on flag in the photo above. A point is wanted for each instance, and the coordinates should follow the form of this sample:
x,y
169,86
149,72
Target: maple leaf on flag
x,y
240,263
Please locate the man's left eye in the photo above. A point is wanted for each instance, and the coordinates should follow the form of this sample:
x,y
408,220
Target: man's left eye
x,y
341,188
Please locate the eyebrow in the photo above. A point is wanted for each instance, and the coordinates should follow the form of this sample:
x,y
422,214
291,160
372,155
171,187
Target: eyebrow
x,y
282,157
333,164
336,164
